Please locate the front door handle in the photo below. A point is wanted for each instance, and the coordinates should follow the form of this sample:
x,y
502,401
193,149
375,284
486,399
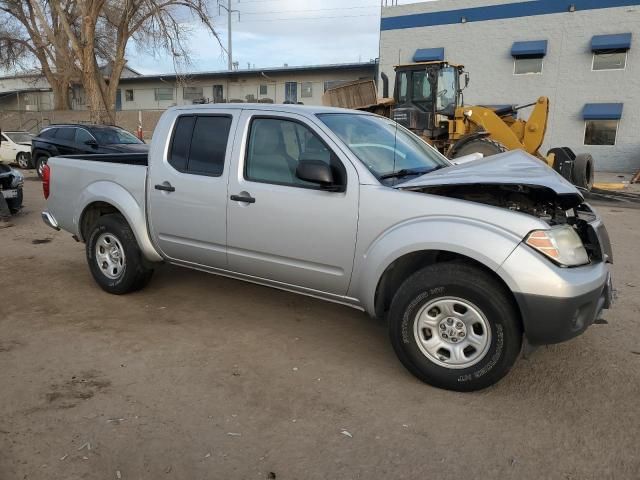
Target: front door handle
x,y
243,198
165,187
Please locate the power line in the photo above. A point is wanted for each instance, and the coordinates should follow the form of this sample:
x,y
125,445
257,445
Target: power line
x,y
312,10
309,18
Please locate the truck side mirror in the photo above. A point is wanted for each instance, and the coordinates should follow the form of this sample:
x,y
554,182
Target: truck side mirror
x,y
315,171
466,79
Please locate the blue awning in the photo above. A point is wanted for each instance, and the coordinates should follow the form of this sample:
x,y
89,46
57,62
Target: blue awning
x,y
620,41
602,111
536,48
428,55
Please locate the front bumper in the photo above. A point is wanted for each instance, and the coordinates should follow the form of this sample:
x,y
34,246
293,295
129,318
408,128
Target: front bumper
x,y
558,303
549,319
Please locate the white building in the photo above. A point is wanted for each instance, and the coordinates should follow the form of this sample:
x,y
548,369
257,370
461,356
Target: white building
x,y
303,84
582,54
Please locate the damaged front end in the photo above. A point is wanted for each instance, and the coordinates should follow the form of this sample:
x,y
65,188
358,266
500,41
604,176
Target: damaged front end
x,y
11,183
538,201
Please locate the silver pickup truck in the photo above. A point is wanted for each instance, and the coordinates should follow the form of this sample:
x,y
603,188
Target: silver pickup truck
x,y
462,261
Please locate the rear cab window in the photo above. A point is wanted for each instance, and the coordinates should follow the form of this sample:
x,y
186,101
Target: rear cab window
x,y
199,144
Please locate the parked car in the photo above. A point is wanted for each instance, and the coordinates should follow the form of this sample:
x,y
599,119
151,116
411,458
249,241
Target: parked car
x,y
11,182
57,140
15,147
462,261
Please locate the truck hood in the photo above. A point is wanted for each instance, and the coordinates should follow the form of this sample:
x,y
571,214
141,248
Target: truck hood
x,y
510,168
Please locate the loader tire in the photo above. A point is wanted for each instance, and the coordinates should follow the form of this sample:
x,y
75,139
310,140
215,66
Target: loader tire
x,y
485,146
582,174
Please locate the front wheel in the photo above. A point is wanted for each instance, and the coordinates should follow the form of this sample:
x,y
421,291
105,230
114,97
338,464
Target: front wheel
x,y
23,160
454,326
114,257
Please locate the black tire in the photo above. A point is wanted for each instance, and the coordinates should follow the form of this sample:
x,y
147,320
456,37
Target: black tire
x,y
23,161
485,146
15,204
583,173
562,155
460,282
134,274
40,162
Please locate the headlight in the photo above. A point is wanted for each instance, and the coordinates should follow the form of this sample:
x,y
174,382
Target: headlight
x,y
18,178
561,244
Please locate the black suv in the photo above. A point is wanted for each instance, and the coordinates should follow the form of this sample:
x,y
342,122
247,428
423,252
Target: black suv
x,y
63,140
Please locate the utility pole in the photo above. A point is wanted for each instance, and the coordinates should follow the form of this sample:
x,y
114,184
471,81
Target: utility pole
x,y
230,12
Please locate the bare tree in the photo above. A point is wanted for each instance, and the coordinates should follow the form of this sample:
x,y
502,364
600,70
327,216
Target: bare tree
x,y
87,34
100,30
30,35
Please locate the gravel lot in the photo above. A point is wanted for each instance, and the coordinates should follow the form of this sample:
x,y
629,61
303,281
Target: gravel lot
x,y
201,377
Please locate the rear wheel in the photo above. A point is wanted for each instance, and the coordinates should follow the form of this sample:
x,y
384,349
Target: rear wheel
x,y
23,161
41,161
454,326
114,257
485,146
582,174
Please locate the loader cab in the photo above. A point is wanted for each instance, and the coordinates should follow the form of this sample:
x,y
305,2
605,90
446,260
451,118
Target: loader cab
x,y
426,96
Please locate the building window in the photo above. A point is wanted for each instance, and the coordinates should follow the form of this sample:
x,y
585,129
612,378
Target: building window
x,y
192,93
307,89
218,93
263,89
163,94
128,95
615,60
525,66
600,132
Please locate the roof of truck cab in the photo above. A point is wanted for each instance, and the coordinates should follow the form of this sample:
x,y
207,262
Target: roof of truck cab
x,y
270,107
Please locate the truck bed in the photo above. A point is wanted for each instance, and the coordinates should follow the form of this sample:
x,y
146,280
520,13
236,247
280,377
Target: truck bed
x,y
124,158
118,179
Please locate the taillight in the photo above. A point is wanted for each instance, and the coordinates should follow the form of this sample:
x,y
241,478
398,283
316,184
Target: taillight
x,y
46,176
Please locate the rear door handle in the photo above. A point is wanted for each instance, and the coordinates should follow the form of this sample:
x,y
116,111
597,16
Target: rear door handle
x,y
165,187
243,198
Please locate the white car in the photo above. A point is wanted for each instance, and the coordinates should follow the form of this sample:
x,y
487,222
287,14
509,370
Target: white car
x,y
15,147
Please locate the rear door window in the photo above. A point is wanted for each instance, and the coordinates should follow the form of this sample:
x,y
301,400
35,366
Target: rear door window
x,y
199,144
48,133
66,134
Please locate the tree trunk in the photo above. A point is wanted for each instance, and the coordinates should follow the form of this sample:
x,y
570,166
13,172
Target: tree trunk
x,y
102,109
61,98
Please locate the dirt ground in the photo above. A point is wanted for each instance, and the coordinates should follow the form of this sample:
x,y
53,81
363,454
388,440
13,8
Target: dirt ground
x,y
201,377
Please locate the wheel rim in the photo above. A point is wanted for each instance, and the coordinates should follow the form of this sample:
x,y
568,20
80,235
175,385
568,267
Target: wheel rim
x,y
452,332
22,160
41,164
110,256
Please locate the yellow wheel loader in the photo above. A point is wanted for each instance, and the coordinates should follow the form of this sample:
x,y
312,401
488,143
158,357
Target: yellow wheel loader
x,y
428,99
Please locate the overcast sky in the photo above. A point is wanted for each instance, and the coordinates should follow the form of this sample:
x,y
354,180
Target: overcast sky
x,y
271,33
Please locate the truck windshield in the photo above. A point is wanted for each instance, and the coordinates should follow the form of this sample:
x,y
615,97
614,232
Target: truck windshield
x,y
389,151
113,136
